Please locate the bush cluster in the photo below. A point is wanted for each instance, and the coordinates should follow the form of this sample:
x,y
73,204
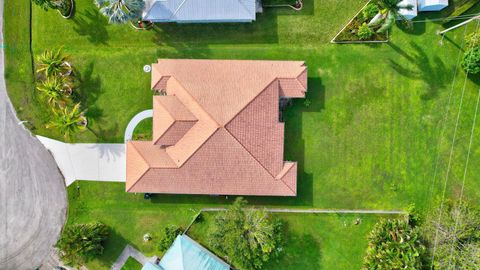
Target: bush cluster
x,y
471,58
56,86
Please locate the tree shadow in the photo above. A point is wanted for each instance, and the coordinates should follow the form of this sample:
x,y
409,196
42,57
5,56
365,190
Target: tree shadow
x,y
431,71
89,91
92,24
302,251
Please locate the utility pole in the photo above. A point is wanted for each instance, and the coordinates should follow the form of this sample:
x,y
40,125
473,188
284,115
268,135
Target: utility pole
x,y
458,25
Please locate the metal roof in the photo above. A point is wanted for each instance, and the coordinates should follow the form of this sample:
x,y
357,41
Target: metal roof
x,y
199,10
186,254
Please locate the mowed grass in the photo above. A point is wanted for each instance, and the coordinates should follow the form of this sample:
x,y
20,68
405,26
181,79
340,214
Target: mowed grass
x,y
377,134
311,241
132,264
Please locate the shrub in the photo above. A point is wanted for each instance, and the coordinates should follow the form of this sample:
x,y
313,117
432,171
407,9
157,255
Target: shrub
x,y
364,32
370,11
473,40
82,242
169,235
394,244
471,61
249,238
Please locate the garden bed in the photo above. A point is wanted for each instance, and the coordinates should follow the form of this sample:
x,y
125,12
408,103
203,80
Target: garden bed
x,y
352,32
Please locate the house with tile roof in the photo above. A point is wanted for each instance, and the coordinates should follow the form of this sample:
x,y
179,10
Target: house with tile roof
x,y
200,11
216,129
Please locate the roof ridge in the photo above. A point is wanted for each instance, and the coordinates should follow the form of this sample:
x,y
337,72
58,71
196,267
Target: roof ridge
x,y
243,146
138,180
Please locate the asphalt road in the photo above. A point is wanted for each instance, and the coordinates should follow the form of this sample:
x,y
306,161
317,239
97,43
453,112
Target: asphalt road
x,y
32,192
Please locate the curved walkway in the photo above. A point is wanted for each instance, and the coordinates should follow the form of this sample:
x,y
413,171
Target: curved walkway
x,y
33,199
134,122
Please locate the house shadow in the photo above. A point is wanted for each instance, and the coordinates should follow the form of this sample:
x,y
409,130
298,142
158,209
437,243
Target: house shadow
x,y
264,30
294,150
92,24
431,71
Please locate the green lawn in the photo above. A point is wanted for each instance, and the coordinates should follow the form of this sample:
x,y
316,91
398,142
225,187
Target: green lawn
x,y
132,264
373,135
312,241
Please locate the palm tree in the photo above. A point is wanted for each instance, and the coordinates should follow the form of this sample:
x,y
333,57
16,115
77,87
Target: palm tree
x,y
393,9
69,121
120,11
53,63
53,90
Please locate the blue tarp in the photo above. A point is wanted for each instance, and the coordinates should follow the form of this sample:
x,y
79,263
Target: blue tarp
x,y
186,254
199,10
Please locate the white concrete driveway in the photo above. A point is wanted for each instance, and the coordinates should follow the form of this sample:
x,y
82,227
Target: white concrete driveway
x,y
88,161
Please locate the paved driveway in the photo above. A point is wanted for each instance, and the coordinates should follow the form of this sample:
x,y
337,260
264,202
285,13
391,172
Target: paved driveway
x,y
88,161
32,192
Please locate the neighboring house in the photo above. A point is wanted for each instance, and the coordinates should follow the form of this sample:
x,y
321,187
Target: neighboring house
x,y
216,129
432,5
186,254
200,11
408,9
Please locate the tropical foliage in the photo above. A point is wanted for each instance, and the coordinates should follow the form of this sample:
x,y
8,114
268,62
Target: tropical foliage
x,y
64,6
69,121
364,32
82,242
53,90
53,63
471,58
169,235
120,11
249,237
370,11
453,234
56,84
394,244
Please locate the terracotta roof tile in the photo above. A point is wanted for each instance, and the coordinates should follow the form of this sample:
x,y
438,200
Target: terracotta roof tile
x,y
235,144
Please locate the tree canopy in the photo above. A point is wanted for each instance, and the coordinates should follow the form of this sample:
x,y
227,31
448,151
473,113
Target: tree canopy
x,y
82,242
453,234
249,237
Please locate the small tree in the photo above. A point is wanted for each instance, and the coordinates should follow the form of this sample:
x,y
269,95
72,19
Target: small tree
x,y
364,32
80,243
69,121
471,61
169,234
473,40
394,244
53,90
453,233
248,237
120,11
53,63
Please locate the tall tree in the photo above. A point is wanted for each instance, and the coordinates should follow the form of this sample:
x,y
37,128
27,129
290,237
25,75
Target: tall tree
x,y
80,243
120,11
249,237
453,234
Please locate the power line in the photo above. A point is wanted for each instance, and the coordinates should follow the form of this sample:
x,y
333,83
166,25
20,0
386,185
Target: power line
x,y
465,171
447,111
450,161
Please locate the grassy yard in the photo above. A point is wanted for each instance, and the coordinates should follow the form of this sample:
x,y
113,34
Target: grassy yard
x,y
312,241
132,264
377,134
